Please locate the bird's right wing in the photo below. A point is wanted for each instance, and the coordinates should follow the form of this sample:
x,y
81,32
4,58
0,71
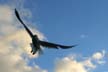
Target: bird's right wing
x,y
17,15
56,46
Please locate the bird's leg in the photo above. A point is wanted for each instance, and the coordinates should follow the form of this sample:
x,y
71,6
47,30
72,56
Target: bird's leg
x,y
32,47
31,51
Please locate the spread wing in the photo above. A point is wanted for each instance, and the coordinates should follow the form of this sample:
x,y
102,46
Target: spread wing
x,y
56,46
27,29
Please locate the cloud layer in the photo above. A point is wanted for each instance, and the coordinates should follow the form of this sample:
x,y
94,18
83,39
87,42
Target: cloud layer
x,y
14,43
71,64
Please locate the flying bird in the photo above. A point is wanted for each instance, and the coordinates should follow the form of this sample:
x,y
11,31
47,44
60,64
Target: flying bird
x,y
37,43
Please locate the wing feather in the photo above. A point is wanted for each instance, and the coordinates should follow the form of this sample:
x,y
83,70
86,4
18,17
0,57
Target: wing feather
x,y
56,46
27,29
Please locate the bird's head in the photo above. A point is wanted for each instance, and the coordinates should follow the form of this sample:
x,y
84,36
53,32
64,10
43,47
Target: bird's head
x,y
36,36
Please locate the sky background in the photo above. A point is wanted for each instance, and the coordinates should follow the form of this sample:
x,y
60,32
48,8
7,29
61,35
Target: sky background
x,y
68,22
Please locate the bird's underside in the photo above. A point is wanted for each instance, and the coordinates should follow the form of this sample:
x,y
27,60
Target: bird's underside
x,y
36,43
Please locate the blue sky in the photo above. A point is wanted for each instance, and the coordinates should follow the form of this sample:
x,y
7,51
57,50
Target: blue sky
x,y
69,22
65,21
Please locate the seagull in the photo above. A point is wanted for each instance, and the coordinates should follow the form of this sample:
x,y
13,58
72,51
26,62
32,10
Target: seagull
x,y
37,43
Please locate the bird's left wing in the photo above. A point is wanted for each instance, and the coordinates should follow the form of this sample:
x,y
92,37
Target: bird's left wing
x,y
27,29
56,46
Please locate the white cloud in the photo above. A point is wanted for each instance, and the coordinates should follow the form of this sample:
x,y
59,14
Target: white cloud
x,y
98,55
71,64
88,63
14,42
5,14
